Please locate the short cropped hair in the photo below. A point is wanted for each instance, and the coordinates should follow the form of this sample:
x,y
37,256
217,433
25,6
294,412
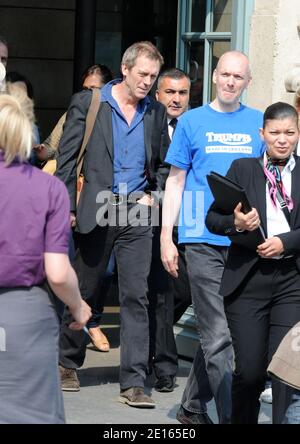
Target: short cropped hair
x,y
279,111
172,73
138,49
15,127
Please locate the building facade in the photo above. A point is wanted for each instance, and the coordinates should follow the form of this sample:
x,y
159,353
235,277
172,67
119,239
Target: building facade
x,y
52,41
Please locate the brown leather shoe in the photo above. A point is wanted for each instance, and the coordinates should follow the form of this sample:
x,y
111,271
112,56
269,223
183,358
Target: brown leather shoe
x,y
69,379
99,339
136,397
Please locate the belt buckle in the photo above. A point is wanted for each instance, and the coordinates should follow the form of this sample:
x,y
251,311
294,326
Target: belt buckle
x,y
118,199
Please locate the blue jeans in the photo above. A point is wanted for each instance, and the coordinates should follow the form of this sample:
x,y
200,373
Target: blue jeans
x,y
210,376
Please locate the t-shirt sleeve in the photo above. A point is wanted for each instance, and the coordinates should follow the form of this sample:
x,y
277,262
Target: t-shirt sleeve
x,y
179,154
57,229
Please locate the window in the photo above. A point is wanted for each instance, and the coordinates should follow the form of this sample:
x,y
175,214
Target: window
x,y
206,33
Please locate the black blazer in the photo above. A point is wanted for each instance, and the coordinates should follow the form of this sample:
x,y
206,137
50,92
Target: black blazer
x,y
250,175
99,157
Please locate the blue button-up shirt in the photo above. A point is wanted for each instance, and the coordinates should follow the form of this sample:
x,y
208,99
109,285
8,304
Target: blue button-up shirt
x,y
129,145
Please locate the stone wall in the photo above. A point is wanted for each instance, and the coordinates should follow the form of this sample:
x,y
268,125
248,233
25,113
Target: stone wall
x,y
274,52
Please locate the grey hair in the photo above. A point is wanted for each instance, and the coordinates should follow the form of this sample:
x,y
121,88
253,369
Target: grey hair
x,y
144,48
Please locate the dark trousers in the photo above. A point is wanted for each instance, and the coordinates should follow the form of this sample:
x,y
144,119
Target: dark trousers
x,y
132,248
259,315
169,298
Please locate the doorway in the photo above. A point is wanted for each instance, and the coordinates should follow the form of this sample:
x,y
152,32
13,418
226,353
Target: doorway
x,y
123,22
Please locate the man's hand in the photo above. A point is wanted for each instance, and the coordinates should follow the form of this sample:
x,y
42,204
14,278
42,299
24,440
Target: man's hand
x,y
271,247
72,220
169,257
81,315
146,200
249,221
41,152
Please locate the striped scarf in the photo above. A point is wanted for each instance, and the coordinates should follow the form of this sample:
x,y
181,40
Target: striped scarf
x,y
274,180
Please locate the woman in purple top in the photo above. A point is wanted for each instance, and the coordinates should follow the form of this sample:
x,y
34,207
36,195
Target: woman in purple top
x,y
34,232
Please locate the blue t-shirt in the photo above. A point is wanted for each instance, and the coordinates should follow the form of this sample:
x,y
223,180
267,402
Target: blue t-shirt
x,y
206,140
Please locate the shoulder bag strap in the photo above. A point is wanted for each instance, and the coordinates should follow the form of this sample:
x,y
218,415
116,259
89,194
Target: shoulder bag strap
x,y
90,122
283,206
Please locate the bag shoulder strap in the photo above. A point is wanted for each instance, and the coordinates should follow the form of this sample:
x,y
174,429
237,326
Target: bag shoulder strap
x,y
90,122
283,206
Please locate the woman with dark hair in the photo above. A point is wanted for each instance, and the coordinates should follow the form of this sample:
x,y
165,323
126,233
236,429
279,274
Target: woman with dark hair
x,y
261,286
95,76
102,71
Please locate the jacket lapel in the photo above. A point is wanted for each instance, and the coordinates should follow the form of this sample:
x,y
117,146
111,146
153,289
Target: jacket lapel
x,y
260,189
105,119
295,190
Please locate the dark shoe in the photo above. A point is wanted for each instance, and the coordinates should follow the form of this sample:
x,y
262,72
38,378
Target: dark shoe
x,y
186,417
165,383
69,379
135,397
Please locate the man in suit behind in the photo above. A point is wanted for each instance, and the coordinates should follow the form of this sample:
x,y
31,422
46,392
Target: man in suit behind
x,y
124,162
168,297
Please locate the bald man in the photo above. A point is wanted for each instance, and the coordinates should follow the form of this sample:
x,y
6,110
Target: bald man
x,y
207,138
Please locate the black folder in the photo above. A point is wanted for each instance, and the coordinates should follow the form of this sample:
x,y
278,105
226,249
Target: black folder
x,y
228,194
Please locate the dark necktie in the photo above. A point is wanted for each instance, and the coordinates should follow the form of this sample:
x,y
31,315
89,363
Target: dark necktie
x,y
173,123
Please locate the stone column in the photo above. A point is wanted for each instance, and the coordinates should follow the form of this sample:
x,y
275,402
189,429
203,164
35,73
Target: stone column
x,y
85,36
274,52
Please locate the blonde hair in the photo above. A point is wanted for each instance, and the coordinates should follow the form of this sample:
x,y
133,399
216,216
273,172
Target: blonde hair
x,y
15,126
18,91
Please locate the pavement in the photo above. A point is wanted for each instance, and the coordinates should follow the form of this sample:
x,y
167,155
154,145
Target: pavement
x,y
97,401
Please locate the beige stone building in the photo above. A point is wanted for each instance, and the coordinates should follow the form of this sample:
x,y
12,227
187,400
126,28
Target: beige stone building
x,y
274,51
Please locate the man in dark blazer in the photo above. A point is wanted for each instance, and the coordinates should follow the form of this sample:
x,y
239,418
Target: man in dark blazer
x,y
124,162
168,297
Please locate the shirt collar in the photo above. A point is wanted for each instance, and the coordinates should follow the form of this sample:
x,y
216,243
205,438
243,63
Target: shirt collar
x,y
289,166
106,96
15,160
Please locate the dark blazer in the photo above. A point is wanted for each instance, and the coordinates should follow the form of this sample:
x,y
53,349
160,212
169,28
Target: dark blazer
x,y
98,161
250,175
